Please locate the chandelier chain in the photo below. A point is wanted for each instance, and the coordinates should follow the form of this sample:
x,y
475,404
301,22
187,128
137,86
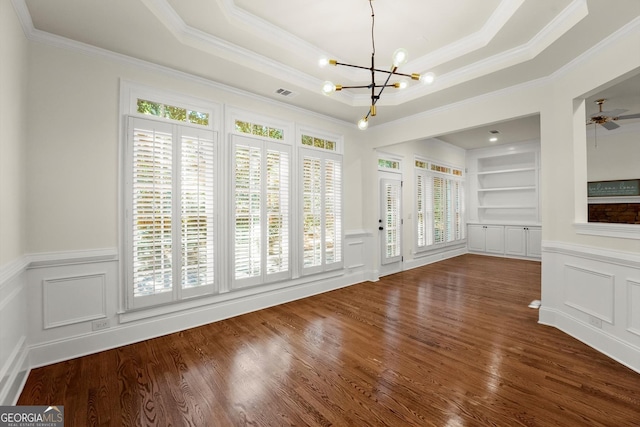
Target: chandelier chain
x,y
373,23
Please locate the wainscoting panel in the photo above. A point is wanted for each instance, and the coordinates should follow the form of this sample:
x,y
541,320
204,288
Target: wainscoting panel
x,y
593,295
60,298
590,291
633,308
67,292
355,254
13,330
359,253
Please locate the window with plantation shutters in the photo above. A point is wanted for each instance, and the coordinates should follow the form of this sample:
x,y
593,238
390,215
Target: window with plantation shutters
x,y
321,201
261,211
169,212
439,209
391,198
439,205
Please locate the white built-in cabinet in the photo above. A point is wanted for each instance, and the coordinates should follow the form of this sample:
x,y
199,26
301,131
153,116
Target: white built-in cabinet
x,y
503,200
486,238
522,241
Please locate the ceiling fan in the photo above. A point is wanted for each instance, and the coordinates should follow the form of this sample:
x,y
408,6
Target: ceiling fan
x,y
608,118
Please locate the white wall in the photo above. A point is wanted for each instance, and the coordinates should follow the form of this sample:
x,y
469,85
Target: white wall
x,y
13,141
613,154
13,134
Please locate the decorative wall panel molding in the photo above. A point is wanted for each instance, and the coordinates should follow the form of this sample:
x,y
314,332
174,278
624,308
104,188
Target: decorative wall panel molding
x,y
74,299
590,291
633,308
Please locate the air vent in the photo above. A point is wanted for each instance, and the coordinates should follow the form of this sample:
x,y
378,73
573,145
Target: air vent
x,y
286,92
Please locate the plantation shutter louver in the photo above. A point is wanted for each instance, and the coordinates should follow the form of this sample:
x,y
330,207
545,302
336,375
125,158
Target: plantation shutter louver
x,y
248,196
277,211
261,186
321,211
197,183
449,195
312,211
332,211
152,209
439,201
392,220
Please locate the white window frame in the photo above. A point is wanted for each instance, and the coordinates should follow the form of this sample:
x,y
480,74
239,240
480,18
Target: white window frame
x,y
457,234
264,144
129,94
324,156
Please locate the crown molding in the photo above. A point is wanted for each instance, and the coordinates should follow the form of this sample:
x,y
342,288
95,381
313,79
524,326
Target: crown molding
x,y
562,23
203,41
43,37
632,28
24,16
208,43
472,42
240,18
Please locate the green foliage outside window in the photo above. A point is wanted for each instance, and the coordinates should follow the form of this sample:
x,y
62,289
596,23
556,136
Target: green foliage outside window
x,y
173,113
260,130
325,144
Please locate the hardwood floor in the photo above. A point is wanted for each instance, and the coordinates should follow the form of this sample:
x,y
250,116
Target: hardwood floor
x,y
449,344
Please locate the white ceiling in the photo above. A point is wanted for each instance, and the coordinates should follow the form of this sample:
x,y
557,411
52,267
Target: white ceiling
x,y
474,47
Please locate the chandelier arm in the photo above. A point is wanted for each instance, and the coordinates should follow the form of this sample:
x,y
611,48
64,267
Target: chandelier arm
x,y
354,66
377,70
374,99
365,86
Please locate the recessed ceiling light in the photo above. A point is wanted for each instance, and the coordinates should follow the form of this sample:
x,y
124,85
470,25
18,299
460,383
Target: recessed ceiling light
x,y
493,139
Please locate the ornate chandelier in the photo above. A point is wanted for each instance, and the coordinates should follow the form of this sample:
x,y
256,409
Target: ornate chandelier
x,y
399,58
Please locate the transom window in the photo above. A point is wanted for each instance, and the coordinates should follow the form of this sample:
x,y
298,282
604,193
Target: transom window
x,y
312,141
259,130
172,112
388,164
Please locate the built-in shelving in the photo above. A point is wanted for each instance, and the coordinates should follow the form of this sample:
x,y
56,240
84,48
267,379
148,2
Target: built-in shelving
x,y
504,184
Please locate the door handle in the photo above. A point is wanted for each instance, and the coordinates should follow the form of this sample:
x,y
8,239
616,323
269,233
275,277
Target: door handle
x,y
380,228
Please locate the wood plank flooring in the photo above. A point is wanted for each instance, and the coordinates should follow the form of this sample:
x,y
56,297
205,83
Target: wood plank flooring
x,y
450,344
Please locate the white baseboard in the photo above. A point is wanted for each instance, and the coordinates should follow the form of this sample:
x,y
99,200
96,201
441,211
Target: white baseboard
x,y
607,344
126,333
14,313
593,294
426,259
14,375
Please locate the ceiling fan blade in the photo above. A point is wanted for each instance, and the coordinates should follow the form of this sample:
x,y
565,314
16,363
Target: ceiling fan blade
x,y
610,125
629,116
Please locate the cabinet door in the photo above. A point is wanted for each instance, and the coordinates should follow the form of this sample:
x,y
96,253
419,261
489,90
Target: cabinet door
x,y
475,238
515,241
494,239
534,242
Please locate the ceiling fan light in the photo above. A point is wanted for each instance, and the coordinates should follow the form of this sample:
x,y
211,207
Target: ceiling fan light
x,y
400,57
363,123
328,88
428,78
